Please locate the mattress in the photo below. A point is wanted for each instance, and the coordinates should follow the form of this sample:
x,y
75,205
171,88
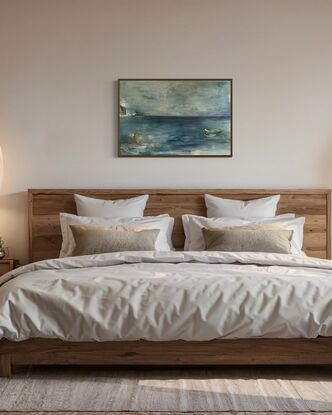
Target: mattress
x,y
164,296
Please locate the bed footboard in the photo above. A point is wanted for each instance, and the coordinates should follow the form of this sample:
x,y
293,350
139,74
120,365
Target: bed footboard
x,y
5,365
215,352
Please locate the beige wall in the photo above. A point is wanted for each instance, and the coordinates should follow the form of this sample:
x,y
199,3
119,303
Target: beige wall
x,y
59,61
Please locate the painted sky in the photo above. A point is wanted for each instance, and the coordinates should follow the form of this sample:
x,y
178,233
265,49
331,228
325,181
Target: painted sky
x,y
177,98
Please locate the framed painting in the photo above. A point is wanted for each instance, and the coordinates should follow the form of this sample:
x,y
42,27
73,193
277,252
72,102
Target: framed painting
x,y
175,118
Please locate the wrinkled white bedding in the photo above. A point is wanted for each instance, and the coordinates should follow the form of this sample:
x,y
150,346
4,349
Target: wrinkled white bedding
x,y
163,296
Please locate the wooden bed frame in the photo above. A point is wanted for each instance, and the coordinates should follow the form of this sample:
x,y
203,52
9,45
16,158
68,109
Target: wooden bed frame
x,y
45,241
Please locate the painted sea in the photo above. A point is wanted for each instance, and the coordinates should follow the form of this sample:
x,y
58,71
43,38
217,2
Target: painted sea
x,y
175,136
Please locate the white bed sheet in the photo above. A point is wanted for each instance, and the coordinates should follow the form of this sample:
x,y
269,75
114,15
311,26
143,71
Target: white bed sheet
x,y
163,296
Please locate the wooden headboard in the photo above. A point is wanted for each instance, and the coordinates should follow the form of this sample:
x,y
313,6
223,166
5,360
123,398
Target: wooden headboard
x,y
46,204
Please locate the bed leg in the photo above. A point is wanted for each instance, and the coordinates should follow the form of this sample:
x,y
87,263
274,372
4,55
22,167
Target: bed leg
x,y
5,366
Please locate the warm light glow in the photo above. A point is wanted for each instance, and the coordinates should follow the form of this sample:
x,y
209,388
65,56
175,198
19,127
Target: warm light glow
x,y
1,167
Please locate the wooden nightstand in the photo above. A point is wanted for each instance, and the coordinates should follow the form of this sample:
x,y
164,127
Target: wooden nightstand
x,y
7,265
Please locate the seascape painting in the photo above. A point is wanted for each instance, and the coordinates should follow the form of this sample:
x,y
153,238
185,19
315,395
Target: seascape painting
x,y
175,118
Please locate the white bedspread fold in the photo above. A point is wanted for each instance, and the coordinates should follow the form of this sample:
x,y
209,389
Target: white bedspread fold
x,y
162,296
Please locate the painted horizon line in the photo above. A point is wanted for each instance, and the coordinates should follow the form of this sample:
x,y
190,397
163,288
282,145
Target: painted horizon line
x,y
177,116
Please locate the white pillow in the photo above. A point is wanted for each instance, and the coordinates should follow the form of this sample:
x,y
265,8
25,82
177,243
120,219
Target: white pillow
x,y
218,207
164,223
195,240
99,208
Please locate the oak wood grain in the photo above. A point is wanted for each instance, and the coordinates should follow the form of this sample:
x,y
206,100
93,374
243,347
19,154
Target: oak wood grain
x,y
5,365
46,204
214,352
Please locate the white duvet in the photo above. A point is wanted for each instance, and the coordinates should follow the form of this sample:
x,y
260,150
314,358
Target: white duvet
x,y
168,296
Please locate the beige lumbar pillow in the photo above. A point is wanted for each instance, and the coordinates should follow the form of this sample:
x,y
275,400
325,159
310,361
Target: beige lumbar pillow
x,y
91,240
248,239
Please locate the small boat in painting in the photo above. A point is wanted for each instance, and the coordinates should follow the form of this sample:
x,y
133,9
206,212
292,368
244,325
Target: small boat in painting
x,y
213,133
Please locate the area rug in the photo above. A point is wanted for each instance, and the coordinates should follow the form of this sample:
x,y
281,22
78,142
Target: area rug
x,y
162,413
217,389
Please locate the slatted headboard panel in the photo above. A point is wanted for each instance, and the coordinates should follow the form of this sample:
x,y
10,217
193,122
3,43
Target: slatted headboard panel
x,y
45,206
